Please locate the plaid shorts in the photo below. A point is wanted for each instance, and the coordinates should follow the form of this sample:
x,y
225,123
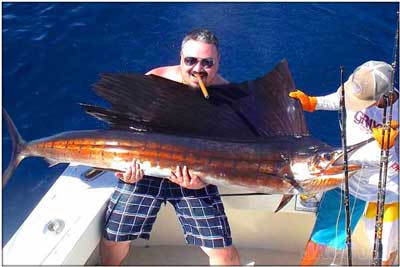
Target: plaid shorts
x,y
133,209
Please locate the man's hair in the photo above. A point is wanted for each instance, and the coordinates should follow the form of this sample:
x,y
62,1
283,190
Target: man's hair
x,y
202,35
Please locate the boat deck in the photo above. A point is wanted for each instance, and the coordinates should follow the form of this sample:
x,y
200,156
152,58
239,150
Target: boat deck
x,y
262,238
193,256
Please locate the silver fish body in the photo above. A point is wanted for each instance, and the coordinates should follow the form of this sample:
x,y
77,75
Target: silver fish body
x,y
279,165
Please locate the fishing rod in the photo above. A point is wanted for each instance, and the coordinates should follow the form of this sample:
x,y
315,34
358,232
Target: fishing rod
x,y
346,168
383,163
377,251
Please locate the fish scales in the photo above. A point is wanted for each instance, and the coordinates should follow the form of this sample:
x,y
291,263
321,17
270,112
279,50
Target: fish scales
x,y
240,157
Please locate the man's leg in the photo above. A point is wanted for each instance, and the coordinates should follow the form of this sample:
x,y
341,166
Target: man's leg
x,y
222,256
204,222
113,253
131,213
312,253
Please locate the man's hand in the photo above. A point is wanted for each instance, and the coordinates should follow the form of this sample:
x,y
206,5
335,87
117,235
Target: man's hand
x,y
378,134
185,179
132,175
307,102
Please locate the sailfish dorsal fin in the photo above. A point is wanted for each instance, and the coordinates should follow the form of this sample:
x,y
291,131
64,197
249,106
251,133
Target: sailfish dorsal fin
x,y
269,106
249,109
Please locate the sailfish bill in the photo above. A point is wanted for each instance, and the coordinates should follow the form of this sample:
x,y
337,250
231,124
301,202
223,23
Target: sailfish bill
x,y
249,135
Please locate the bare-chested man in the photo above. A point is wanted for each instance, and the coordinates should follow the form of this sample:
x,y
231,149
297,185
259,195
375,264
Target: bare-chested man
x,y
137,199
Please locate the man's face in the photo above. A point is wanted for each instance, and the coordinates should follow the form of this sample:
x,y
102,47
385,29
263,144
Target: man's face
x,y
198,58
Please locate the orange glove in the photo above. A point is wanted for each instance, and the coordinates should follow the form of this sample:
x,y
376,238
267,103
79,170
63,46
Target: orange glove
x,y
378,134
307,102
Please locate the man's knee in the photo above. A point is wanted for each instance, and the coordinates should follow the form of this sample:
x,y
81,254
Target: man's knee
x,y
113,253
222,256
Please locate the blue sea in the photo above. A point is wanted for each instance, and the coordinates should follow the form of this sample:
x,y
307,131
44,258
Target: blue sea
x,y
54,52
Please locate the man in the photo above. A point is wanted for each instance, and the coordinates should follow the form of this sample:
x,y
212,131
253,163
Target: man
x,y
363,90
134,205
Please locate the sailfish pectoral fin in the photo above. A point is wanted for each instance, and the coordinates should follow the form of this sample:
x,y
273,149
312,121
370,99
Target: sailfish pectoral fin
x,y
286,174
285,199
293,182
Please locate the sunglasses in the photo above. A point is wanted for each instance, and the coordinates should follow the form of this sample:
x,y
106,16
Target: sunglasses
x,y
205,62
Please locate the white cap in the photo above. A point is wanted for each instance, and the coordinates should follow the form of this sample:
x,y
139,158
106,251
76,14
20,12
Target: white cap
x,y
367,84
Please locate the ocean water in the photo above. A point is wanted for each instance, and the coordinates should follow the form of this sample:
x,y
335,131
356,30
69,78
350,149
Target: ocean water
x,y
54,52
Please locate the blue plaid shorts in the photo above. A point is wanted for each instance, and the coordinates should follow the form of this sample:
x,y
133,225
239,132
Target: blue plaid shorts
x,y
133,209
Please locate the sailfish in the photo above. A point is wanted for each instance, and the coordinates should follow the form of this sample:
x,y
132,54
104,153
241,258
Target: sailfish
x,y
248,135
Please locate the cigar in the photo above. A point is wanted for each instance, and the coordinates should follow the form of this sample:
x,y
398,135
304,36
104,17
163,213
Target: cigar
x,y
202,87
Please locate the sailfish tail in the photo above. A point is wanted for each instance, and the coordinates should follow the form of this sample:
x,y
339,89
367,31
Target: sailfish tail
x,y
18,145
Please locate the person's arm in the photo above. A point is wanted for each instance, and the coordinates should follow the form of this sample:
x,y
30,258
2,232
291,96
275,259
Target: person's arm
x,y
168,72
157,71
328,102
312,103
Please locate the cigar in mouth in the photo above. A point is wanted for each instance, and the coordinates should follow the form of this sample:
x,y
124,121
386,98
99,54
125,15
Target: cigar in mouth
x,y
202,86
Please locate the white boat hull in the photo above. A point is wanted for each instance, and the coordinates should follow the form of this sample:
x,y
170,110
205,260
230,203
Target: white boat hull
x,y
77,206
